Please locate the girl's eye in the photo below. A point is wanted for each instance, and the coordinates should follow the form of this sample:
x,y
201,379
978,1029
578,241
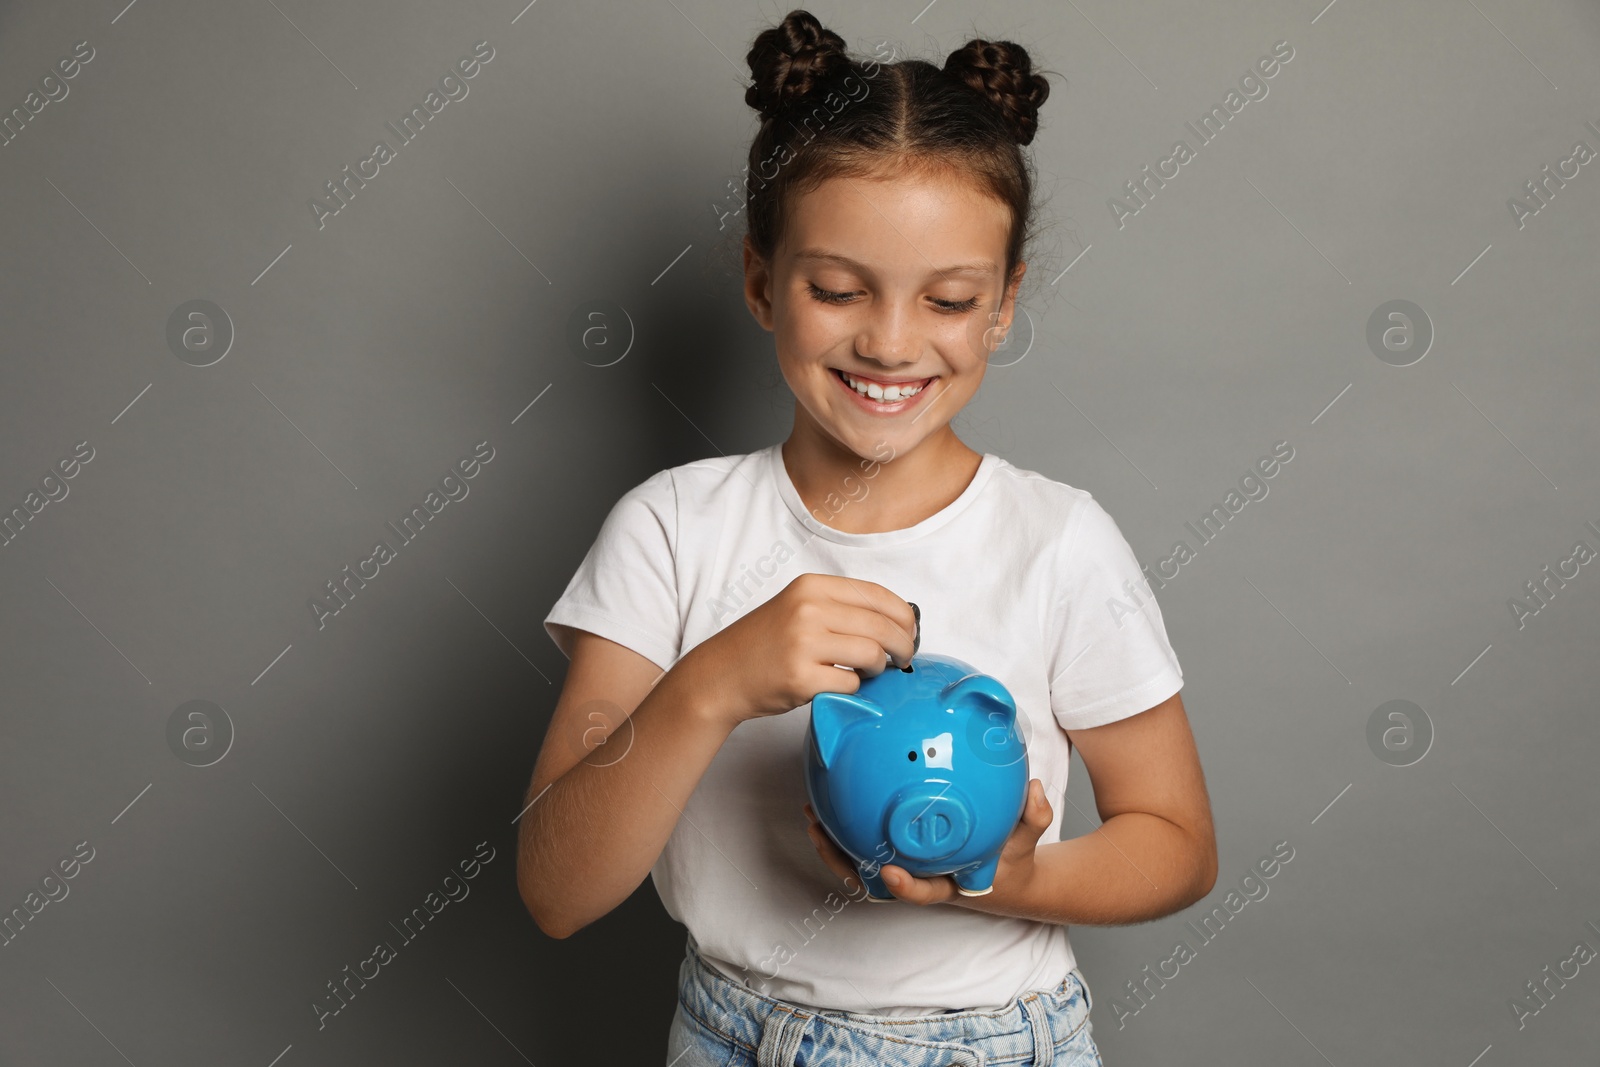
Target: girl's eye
x,y
825,296
828,297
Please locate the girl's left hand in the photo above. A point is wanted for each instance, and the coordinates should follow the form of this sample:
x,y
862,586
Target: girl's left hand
x,y
1016,867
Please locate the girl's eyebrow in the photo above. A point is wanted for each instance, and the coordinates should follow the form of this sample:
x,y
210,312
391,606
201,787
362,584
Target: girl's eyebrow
x,y
983,268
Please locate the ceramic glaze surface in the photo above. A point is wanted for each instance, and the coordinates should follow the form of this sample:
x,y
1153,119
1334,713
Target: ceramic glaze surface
x,y
925,769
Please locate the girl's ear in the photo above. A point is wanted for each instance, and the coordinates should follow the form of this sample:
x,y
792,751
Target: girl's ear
x,y
1009,299
757,286
1006,315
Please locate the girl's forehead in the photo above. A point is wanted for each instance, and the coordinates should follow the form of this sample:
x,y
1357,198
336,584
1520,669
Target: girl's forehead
x,y
912,189
934,219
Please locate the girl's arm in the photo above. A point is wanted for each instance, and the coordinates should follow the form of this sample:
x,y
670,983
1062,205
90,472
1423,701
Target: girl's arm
x,y
599,816
601,813
1155,852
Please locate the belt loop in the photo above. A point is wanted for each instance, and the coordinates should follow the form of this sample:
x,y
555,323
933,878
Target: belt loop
x,y
1044,1042
780,1038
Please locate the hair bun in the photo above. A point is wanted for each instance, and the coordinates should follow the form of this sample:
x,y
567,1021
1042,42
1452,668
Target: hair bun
x,y
789,61
1003,72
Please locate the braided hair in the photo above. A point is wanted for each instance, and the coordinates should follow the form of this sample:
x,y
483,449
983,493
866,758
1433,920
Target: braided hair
x,y
825,114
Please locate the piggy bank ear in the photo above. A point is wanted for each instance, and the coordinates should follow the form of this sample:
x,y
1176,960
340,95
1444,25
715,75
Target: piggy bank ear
x,y
982,692
991,719
832,714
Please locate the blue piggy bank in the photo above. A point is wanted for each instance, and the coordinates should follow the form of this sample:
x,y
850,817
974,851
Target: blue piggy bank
x,y
924,768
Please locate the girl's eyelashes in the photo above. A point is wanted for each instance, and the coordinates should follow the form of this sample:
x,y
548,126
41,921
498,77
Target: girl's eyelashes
x,y
828,297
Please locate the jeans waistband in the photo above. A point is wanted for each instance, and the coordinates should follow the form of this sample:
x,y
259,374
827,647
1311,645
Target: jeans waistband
x,y
775,1028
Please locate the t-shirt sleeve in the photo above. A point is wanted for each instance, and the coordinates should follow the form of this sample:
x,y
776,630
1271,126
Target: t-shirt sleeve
x,y
1110,655
626,588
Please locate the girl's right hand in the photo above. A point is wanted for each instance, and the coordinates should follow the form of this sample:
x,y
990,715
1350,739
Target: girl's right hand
x,y
781,654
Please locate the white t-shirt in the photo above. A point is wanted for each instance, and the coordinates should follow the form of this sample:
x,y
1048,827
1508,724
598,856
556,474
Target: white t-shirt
x,y
1021,576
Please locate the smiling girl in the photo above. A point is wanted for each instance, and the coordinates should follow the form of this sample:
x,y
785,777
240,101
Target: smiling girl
x,y
884,256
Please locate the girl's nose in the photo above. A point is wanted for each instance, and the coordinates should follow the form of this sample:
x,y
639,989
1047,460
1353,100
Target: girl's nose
x,y
888,341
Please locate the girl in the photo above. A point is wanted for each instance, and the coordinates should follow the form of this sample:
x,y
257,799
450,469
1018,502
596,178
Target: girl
x,y
888,210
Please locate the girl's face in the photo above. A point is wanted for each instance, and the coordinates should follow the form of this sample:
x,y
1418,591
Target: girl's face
x,y
894,283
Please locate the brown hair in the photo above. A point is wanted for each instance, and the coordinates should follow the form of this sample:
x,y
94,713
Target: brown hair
x,y
973,117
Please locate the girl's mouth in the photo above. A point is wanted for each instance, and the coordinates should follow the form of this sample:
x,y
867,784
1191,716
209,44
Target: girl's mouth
x,y
882,405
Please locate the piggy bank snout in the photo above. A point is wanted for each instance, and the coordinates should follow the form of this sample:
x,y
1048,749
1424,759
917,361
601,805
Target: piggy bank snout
x,y
930,821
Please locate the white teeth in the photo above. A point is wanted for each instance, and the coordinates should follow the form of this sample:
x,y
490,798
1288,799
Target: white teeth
x,y
887,394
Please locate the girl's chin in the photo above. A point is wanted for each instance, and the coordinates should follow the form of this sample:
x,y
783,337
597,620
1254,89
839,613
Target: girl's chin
x,y
872,441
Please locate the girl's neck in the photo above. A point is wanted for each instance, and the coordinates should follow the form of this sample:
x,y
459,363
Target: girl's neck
x,y
855,494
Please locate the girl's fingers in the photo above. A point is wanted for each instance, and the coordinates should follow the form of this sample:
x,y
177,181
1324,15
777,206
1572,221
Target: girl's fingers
x,y
866,620
916,890
865,654
858,592
894,623
832,856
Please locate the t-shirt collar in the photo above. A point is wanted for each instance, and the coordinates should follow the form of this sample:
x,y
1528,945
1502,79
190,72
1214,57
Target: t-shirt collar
x,y
791,497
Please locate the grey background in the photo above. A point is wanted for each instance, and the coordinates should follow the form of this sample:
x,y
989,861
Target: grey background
x,y
372,755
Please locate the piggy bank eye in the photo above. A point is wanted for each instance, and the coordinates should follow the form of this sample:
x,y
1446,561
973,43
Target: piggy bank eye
x,y
912,756
932,752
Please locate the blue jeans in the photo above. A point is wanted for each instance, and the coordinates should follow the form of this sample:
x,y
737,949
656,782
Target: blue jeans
x,y
723,1023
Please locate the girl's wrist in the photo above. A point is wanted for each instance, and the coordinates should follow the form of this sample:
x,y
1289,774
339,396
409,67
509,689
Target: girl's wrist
x,y
698,696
